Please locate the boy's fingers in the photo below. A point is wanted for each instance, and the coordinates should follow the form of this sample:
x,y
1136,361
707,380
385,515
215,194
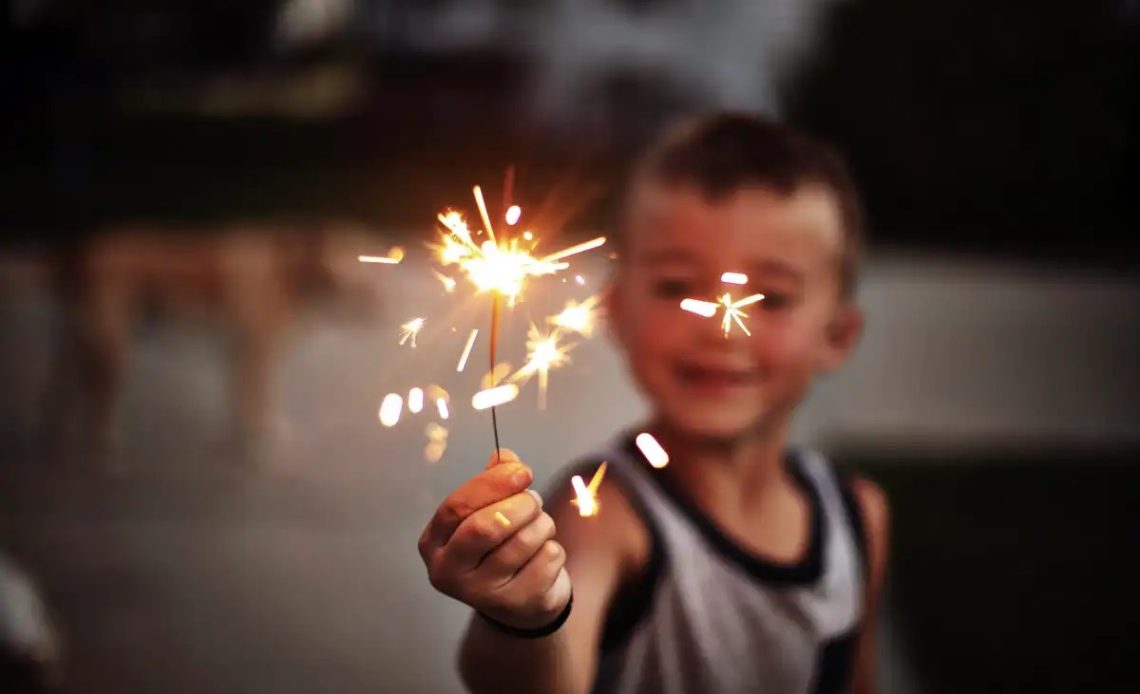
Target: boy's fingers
x,y
501,457
544,578
482,490
503,562
487,529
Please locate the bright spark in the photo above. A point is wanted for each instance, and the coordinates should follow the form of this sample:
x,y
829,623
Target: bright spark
x,y
437,442
734,278
410,329
447,282
733,313
579,318
467,350
441,405
390,408
543,354
493,397
378,259
652,450
513,214
415,400
580,280
586,496
706,309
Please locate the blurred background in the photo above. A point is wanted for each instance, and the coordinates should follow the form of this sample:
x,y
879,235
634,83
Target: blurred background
x,y
195,494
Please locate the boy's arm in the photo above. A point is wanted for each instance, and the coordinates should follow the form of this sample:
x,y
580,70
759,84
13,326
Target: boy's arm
x,y
876,520
601,552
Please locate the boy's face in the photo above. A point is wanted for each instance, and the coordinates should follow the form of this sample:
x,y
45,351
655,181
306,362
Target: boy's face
x,y
678,245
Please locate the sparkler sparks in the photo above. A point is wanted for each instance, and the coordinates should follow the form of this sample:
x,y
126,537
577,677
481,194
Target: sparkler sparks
x,y
734,278
543,354
390,408
410,329
652,450
395,255
586,496
437,442
732,312
579,318
447,282
466,350
501,267
415,400
493,397
513,214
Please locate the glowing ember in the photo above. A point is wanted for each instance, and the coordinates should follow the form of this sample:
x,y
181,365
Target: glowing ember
x,y
415,400
466,350
732,311
543,354
652,450
706,309
447,282
734,278
579,318
513,214
586,496
390,408
410,329
437,442
493,397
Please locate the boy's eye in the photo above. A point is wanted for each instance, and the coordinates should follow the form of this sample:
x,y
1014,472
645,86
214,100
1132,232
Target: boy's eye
x,y
672,288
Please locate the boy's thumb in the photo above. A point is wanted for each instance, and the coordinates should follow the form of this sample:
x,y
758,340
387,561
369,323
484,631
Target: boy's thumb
x,y
503,455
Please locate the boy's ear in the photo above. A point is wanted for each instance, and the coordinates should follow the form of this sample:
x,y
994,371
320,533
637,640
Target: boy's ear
x,y
843,334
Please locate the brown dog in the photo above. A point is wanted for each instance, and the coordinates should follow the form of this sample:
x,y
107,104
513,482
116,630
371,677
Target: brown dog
x,y
256,278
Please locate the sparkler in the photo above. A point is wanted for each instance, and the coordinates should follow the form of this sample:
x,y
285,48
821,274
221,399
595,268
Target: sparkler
x,y
498,267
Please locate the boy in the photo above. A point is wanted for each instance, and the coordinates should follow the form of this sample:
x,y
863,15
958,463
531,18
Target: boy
x,y
740,566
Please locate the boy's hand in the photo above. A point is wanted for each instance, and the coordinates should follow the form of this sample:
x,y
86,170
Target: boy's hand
x,y
491,546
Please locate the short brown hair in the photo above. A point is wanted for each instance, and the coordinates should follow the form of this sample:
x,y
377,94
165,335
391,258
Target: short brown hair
x,y
723,152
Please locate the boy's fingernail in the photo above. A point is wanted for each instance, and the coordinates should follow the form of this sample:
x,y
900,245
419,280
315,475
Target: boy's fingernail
x,y
536,496
521,476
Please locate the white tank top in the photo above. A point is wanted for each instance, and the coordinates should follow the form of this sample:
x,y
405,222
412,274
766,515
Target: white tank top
x,y
710,616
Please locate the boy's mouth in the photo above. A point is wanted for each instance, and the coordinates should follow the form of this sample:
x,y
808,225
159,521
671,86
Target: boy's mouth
x,y
715,377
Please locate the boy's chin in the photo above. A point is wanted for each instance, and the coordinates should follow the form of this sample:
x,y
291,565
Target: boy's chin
x,y
714,426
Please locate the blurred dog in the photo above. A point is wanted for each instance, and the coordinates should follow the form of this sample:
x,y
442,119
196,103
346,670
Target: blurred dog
x,y
258,279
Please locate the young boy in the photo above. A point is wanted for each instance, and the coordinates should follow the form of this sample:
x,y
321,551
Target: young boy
x,y
741,566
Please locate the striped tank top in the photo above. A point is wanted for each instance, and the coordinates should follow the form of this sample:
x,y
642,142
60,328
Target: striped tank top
x,y
711,616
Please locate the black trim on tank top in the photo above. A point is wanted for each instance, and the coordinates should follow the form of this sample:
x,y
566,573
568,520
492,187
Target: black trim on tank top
x,y
835,664
807,570
854,519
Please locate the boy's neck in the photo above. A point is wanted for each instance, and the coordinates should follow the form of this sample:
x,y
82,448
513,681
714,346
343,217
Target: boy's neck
x,y
739,470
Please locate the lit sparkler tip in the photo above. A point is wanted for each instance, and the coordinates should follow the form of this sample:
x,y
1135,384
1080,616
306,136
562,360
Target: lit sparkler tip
x,y
513,214
467,350
734,278
706,309
415,400
390,408
493,397
652,450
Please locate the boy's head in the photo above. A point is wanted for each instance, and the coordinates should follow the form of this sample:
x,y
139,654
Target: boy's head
x,y
736,193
